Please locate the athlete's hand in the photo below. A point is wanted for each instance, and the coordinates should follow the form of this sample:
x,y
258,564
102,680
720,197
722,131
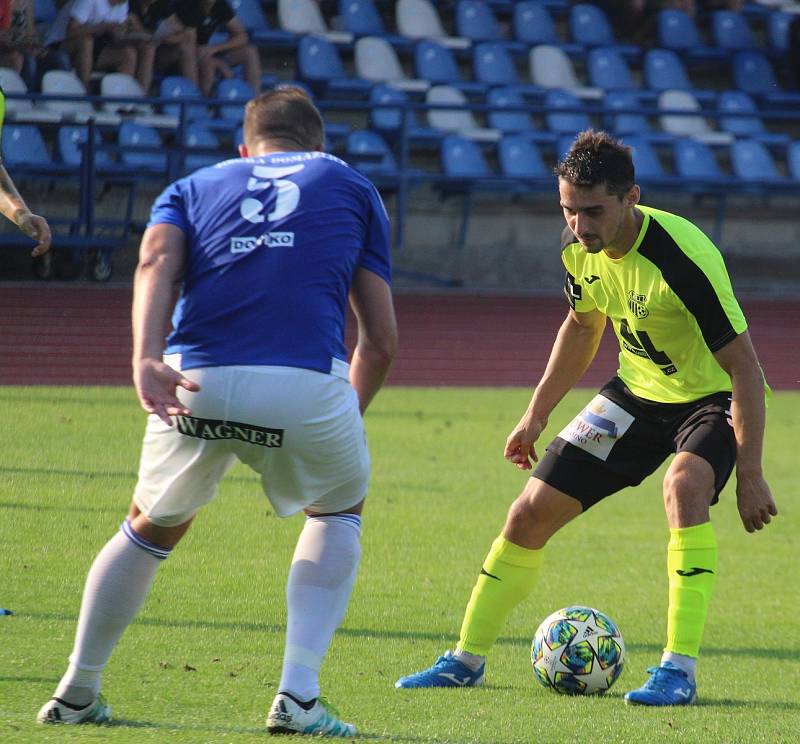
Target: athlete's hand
x,y
156,383
519,445
35,227
755,502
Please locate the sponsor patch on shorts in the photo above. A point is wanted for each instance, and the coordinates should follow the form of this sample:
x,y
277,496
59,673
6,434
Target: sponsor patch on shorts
x,y
202,428
597,427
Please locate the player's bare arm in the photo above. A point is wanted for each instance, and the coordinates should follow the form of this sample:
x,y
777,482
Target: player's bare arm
x,y
160,268
13,206
754,499
573,351
371,300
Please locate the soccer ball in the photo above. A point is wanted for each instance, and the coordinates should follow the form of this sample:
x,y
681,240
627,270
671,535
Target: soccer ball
x,y
577,651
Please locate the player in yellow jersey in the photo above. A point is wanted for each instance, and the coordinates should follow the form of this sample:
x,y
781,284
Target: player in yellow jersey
x,y
13,206
689,384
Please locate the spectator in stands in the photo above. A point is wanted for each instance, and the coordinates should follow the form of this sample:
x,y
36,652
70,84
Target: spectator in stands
x,y
208,17
97,36
173,45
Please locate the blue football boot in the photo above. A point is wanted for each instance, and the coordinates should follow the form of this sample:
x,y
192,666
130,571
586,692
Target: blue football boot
x,y
668,685
447,671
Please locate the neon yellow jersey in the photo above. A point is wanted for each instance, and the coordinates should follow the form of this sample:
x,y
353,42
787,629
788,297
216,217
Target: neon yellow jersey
x,y
670,302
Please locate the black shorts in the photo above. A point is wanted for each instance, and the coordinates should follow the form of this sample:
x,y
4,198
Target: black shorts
x,y
619,439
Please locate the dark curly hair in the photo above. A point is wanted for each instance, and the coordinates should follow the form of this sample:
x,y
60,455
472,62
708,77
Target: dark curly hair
x,y
595,158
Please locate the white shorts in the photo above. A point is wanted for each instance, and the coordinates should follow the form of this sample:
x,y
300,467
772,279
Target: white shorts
x,y
300,430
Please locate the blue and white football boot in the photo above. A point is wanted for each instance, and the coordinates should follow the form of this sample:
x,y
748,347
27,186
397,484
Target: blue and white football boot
x,y
447,671
668,685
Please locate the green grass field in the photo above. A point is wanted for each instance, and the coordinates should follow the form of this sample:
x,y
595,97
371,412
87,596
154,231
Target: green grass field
x,y
202,661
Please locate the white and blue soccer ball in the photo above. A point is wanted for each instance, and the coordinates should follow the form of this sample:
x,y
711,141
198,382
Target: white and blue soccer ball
x,y
577,651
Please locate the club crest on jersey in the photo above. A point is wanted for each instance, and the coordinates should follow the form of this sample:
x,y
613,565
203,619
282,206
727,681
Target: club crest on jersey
x,y
637,304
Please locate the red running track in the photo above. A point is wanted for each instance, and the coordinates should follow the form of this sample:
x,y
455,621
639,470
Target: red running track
x,y
80,335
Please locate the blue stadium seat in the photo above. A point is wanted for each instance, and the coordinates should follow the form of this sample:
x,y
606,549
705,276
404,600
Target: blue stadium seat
x,y
361,18
589,26
24,151
199,137
176,86
492,64
752,163
319,66
731,31
753,73
677,31
71,140
387,120
793,160
695,162
738,103
368,152
519,157
132,138
664,70
533,24
462,158
238,92
646,162
623,123
436,64
507,121
607,69
562,121
475,20
778,23
252,17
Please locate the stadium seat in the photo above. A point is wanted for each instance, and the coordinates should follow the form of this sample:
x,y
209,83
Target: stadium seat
x,y
118,84
696,163
778,23
589,26
21,109
565,122
663,70
737,103
304,17
25,152
476,21
388,120
361,18
492,65
533,24
550,67
731,32
508,121
199,137
753,73
608,70
238,92
419,19
688,125
376,61
177,86
793,160
462,158
623,123
752,163
646,162
677,31
368,152
519,157
436,64
132,138
67,83
252,17
319,66
453,120
71,141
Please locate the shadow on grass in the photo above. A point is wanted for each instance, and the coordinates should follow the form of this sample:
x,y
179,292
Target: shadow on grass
x,y
779,654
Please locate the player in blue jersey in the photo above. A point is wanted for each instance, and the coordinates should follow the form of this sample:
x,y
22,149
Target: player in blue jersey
x,y
265,250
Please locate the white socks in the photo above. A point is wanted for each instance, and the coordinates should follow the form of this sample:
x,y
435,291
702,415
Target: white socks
x,y
115,589
686,663
320,582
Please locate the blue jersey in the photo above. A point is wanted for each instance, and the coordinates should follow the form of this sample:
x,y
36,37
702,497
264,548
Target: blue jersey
x,y
272,245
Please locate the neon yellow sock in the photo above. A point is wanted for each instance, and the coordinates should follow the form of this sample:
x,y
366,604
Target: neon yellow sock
x,y
692,566
507,577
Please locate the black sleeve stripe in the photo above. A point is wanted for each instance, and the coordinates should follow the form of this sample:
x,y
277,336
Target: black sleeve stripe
x,y
690,284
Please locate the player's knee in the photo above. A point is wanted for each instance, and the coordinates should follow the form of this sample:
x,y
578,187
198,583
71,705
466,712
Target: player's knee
x,y
531,517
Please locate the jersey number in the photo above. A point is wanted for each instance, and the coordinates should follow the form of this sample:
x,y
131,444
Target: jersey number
x,y
640,341
287,193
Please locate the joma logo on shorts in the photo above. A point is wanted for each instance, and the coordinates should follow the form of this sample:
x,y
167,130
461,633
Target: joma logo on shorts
x,y
202,428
